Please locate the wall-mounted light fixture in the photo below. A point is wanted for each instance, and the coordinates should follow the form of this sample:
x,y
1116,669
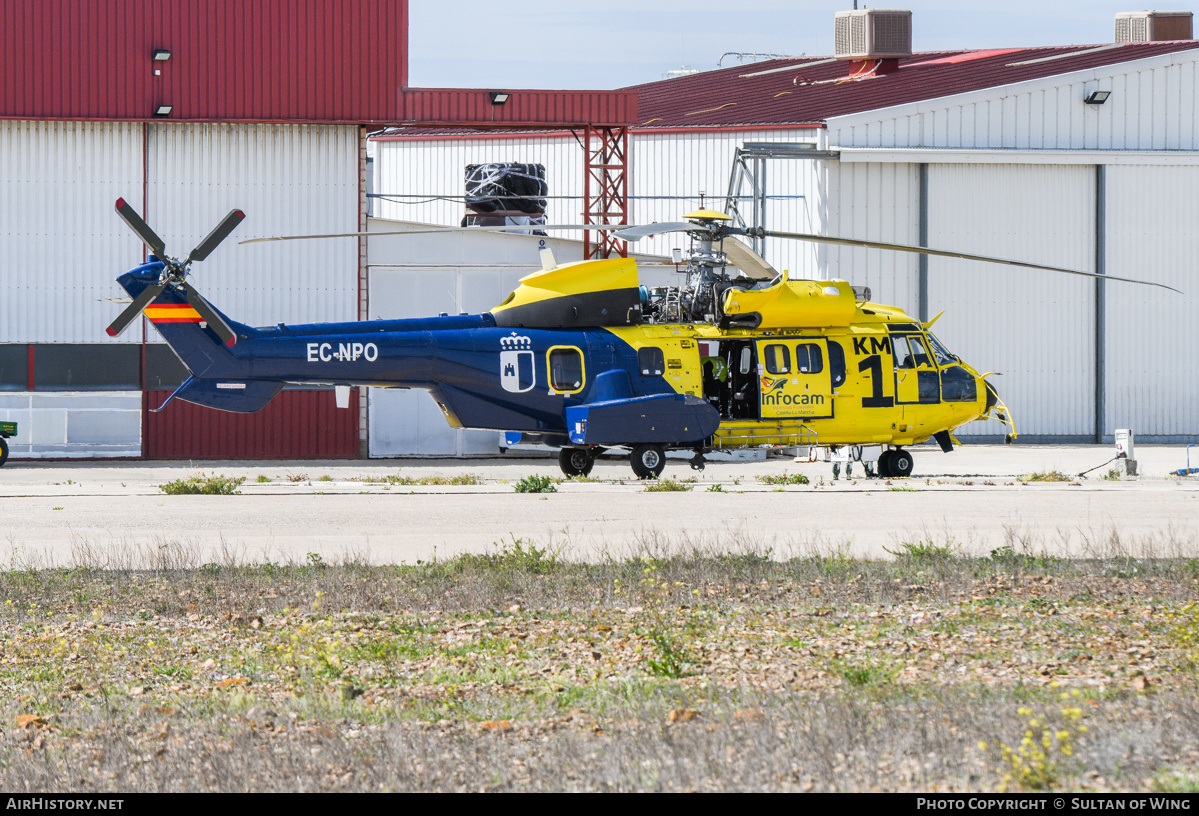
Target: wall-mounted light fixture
x,y
162,110
1096,97
499,97
161,55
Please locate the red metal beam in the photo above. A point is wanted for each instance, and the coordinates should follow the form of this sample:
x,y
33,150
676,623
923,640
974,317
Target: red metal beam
x,y
605,188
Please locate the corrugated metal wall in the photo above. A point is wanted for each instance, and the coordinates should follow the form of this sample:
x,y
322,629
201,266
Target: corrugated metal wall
x,y
667,174
426,179
1152,107
876,202
299,424
1037,329
289,180
63,243
298,60
1152,381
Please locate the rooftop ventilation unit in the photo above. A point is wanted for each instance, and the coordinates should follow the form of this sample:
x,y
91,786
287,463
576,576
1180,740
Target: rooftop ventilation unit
x,y
1152,26
869,34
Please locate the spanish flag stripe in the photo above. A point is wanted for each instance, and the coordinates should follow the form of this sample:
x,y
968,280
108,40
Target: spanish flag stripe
x,y
172,312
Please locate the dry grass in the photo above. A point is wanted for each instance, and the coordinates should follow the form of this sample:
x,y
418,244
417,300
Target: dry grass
x,y
680,666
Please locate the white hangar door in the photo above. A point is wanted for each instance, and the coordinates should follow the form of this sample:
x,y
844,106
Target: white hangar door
x,y
289,180
408,422
1037,329
61,246
1151,382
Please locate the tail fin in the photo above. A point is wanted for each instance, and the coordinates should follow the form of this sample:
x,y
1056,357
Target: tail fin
x,y
184,329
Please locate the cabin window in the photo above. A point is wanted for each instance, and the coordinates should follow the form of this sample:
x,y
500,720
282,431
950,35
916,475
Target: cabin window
x,y
651,361
808,359
778,359
566,369
836,363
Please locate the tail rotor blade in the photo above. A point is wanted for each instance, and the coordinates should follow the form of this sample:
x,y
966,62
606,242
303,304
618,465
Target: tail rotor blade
x,y
135,308
205,247
148,236
214,320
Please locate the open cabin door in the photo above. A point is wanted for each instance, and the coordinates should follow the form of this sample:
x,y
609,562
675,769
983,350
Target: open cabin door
x,y
796,378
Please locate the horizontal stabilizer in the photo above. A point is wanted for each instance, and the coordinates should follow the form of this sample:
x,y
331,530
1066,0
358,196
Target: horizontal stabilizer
x,y
660,419
238,396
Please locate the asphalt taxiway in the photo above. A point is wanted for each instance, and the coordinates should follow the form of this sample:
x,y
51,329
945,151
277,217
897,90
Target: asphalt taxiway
x,y
976,498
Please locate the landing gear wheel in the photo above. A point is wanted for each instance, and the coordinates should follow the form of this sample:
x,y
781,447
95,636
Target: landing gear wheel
x,y
575,461
3,451
648,461
901,464
697,462
884,464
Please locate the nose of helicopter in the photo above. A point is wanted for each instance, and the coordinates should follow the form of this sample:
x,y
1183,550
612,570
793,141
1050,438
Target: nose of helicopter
x,y
992,395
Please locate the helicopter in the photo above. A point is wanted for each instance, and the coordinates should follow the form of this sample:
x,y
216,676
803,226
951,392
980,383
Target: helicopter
x,y
583,358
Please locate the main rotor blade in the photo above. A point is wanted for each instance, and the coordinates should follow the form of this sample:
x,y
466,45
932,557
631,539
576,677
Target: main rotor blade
x,y
148,236
854,242
135,308
205,247
637,233
514,228
214,320
748,261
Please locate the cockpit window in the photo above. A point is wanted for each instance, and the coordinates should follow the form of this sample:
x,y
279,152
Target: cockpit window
x,y
943,356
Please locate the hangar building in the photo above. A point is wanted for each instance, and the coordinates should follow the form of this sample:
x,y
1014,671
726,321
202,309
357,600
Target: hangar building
x,y
188,109
1084,157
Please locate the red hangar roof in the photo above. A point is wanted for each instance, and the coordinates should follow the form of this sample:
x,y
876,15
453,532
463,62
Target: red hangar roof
x,y
320,61
808,91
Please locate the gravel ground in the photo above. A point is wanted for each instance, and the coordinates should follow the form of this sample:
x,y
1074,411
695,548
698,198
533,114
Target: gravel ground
x,y
518,671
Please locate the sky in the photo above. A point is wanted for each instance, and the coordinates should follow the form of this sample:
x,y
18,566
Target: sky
x,y
603,44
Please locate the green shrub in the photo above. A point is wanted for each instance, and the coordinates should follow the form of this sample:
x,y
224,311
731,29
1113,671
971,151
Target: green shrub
x,y
784,479
205,485
536,484
667,486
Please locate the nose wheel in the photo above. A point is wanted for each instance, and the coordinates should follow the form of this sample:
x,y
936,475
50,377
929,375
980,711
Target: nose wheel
x,y
895,464
648,461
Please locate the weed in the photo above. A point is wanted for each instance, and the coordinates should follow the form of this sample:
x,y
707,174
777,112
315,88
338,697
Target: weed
x,y
515,556
923,551
667,486
783,479
1036,761
903,489
862,676
463,479
536,484
316,561
1113,475
1047,476
206,485
325,478
263,478
716,488
1176,782
671,660
297,477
